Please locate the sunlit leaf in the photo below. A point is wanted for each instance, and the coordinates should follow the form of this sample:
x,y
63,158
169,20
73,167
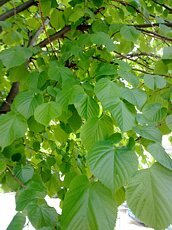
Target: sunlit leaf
x,y
84,205
15,56
41,215
149,196
17,222
45,112
157,151
26,102
154,81
12,127
112,166
96,129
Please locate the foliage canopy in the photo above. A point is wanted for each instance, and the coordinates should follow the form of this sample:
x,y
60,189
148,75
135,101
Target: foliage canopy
x,y
85,100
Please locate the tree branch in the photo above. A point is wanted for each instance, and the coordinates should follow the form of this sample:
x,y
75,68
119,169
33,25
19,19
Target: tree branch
x,y
143,71
62,32
16,10
169,24
59,34
2,2
5,107
142,54
154,34
133,60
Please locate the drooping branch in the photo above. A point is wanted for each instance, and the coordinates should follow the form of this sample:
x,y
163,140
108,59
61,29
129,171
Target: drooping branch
x,y
17,10
5,107
2,2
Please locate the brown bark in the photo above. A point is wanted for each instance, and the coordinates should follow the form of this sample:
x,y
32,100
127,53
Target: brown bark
x,y
5,107
17,10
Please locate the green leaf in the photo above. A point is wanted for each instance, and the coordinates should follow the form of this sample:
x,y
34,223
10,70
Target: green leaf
x,y
17,222
33,191
15,56
101,38
45,112
75,2
107,92
2,167
129,33
154,81
104,69
161,67
75,121
137,97
129,77
11,182
149,196
24,173
35,126
26,102
57,19
77,14
149,132
159,154
122,115
167,52
52,185
69,95
12,127
41,215
119,196
154,112
169,121
112,166
58,73
98,3
60,134
54,4
87,107
96,129
85,204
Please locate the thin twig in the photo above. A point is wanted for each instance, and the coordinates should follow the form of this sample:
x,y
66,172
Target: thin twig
x,y
142,54
144,71
15,178
44,25
133,60
162,4
154,34
169,24
34,38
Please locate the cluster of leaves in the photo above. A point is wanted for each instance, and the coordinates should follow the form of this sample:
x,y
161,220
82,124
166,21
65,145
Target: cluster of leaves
x,y
91,94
